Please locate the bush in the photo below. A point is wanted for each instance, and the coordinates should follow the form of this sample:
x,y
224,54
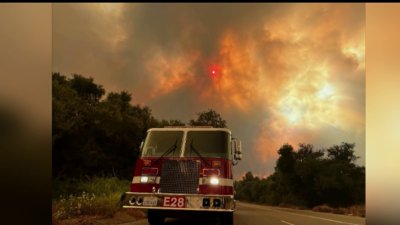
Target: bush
x,y
340,210
97,196
292,200
357,210
96,185
323,208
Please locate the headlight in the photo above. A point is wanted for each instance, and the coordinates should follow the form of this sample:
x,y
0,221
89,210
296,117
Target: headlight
x,y
147,179
214,181
144,179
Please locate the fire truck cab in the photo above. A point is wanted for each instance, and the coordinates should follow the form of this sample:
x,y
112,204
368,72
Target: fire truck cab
x,y
185,171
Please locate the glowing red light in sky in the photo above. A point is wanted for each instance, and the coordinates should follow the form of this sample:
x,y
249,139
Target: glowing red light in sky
x,y
214,71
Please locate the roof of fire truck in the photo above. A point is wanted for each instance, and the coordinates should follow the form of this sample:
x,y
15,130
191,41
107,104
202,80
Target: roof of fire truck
x,y
190,128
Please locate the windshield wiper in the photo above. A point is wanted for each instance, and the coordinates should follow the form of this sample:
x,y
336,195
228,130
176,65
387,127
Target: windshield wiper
x,y
198,153
170,150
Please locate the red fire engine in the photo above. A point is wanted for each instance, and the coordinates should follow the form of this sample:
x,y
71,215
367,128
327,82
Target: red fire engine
x,y
185,171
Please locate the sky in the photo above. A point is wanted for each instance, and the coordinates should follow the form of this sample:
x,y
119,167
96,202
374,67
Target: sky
x,y
277,73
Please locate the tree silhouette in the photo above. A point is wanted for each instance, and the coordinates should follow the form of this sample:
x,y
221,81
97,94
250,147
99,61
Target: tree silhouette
x,y
308,177
209,118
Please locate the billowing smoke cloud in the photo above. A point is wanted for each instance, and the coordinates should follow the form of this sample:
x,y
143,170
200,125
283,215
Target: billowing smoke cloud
x,y
283,73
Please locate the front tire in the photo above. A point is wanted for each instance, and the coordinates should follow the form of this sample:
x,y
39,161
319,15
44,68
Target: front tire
x,y
154,217
226,218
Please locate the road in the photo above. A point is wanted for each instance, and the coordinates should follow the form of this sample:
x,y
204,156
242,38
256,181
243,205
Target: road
x,y
250,214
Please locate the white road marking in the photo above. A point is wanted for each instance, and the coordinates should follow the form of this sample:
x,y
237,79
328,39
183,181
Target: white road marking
x,y
287,222
314,217
321,218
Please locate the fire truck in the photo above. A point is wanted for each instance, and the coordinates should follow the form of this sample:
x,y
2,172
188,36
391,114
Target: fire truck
x,y
185,171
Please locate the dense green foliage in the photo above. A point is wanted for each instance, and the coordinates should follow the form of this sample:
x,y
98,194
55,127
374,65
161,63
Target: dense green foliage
x,y
89,196
99,135
308,177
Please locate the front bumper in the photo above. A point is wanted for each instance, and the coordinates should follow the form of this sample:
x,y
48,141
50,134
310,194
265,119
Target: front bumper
x,y
193,202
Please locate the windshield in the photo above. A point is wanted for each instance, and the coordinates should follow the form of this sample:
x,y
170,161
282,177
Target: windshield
x,y
207,144
160,143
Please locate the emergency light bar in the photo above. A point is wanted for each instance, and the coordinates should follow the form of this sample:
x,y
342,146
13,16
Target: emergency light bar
x,y
188,127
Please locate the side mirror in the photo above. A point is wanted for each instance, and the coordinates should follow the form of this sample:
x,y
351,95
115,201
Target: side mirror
x,y
237,149
141,146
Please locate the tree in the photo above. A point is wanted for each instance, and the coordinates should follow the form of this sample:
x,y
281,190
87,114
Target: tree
x,y
248,177
343,152
86,88
341,180
286,160
307,167
121,100
93,136
209,118
248,188
308,177
307,152
165,123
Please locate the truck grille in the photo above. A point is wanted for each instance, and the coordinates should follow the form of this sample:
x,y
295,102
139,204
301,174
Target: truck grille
x,y
179,177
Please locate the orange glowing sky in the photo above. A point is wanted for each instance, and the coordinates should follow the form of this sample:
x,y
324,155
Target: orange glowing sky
x,y
284,73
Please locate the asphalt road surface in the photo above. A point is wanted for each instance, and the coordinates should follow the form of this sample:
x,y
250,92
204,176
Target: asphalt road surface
x,y
250,214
